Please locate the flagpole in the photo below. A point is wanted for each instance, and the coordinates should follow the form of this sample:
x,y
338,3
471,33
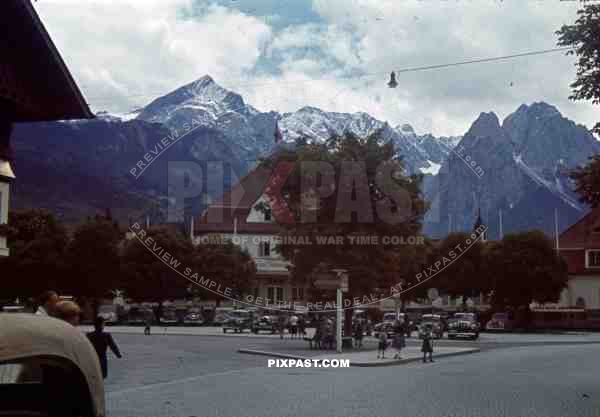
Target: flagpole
x,y
192,229
501,232
556,229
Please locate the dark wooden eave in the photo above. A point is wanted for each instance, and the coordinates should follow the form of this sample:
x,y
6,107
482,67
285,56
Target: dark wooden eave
x,y
33,75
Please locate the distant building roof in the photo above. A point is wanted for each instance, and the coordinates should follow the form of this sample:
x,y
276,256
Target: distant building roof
x,y
584,233
33,75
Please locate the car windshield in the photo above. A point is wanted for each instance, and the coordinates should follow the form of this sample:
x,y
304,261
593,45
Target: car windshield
x,y
229,189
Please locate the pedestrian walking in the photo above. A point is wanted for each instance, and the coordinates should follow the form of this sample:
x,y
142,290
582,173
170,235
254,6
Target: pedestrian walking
x,y
147,326
358,334
329,338
427,346
281,324
382,346
101,341
47,303
302,325
399,341
317,337
294,326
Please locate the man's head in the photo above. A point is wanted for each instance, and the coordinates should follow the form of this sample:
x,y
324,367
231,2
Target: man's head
x,y
48,300
99,324
68,311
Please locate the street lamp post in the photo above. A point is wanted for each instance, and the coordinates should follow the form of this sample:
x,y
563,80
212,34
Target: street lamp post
x,y
342,287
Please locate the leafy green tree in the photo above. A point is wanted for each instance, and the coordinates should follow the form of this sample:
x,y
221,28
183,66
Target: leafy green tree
x,y
37,261
524,268
465,276
363,194
151,269
584,37
587,182
94,258
227,264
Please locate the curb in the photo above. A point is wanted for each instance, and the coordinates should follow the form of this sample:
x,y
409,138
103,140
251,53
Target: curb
x,y
353,363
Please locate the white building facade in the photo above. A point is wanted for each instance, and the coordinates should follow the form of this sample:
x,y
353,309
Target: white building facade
x,y
244,218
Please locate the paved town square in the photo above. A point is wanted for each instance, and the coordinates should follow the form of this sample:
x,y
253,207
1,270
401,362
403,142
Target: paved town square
x,y
182,375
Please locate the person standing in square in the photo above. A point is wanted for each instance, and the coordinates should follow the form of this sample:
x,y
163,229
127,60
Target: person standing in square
x,y
101,341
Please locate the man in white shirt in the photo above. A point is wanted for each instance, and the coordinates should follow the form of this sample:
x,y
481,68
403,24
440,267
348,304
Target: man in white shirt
x,y
294,325
47,303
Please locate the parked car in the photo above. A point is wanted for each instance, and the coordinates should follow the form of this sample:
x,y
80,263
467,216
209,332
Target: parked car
x,y
265,324
169,316
238,321
387,325
384,326
139,315
431,323
193,317
501,322
463,325
220,315
13,309
109,313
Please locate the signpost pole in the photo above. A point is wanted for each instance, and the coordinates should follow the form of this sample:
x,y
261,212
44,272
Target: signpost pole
x,y
338,322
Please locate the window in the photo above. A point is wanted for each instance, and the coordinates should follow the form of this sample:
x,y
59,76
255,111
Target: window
x,y
297,293
268,215
264,249
592,259
274,294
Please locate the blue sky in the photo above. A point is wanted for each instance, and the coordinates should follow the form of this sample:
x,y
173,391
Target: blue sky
x,y
333,54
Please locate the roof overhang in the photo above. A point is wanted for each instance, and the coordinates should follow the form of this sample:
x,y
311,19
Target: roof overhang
x,y
33,75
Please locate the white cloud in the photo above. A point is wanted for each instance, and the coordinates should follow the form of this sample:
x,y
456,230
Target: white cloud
x,y
126,52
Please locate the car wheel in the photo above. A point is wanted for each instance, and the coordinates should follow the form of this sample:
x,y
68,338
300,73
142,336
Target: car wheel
x,y
451,336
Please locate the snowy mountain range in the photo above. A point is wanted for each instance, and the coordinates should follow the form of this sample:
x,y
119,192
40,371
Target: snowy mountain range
x,y
87,165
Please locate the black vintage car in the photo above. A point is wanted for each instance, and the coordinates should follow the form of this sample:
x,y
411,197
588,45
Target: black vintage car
x,y
238,321
265,324
463,325
431,324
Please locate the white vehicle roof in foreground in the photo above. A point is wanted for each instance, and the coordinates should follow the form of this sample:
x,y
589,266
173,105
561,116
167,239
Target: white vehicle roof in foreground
x,y
26,335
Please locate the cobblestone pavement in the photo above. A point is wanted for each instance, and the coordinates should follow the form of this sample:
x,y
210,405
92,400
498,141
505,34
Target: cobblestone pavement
x,y
182,376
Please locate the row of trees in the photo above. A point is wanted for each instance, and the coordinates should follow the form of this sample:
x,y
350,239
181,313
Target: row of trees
x,y
515,271
96,258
